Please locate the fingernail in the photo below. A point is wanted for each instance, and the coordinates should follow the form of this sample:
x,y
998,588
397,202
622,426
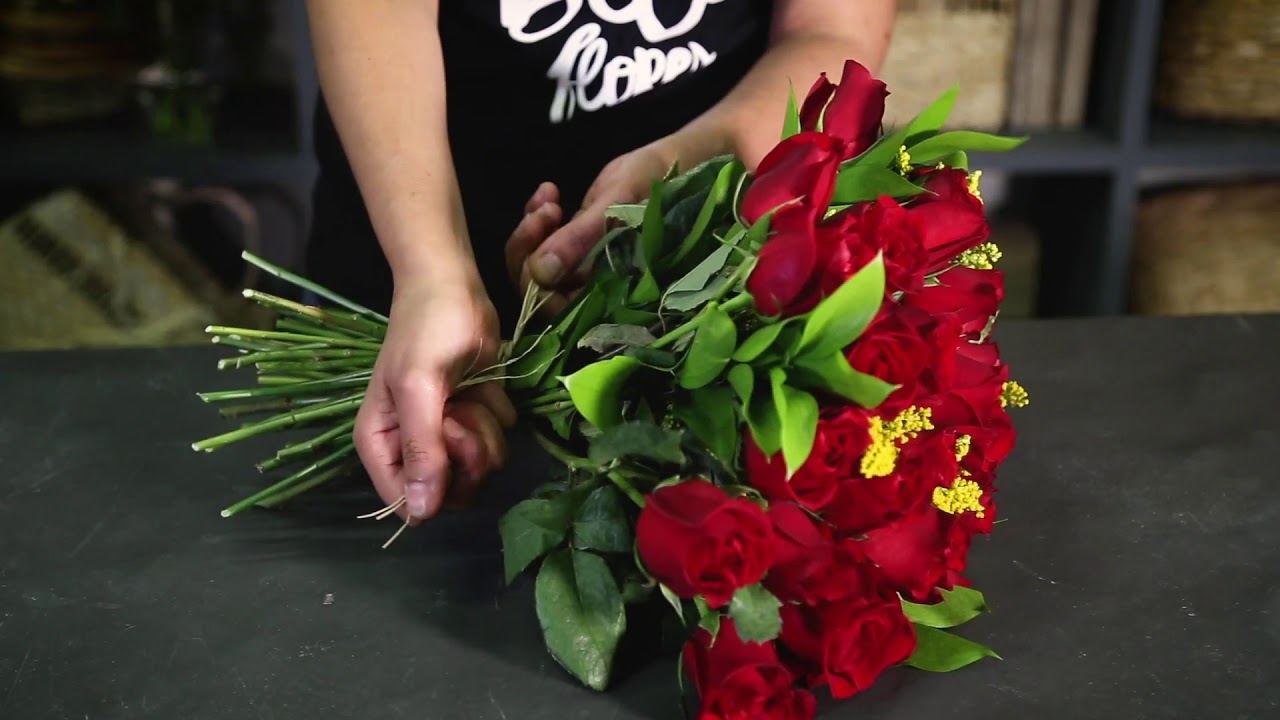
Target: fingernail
x,y
453,430
415,497
546,268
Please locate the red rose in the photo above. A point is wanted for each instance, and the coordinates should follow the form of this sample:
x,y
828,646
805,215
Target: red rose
x,y
864,504
951,218
785,267
973,296
799,171
837,447
811,566
889,227
739,680
851,111
847,645
921,552
697,540
894,350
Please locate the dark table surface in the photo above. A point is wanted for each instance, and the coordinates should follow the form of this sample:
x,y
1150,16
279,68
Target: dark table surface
x,y
1137,574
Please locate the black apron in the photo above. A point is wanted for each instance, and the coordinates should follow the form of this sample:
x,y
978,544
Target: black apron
x,y
541,90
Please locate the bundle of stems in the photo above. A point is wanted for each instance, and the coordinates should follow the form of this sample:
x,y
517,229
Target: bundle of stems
x,y
312,373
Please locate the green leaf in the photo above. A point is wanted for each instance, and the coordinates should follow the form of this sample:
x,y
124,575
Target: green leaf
x,y
533,356
656,359
755,614
562,422
596,389
697,278
636,590
958,159
798,412
652,230
940,651
765,422
636,439
673,600
530,529
958,606
791,122
702,176
601,522
840,318
581,612
602,338
713,343
631,215
947,143
758,342
708,617
868,182
927,123
758,233
742,379
630,316
710,415
932,118
647,290
834,374
588,309
717,194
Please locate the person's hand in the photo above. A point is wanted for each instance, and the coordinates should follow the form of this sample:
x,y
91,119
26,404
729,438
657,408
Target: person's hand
x,y
551,254
414,439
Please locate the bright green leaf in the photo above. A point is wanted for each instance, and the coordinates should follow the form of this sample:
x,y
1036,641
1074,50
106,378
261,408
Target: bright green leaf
x,y
631,215
834,374
708,618
798,413
673,600
742,379
958,606
602,338
701,177
765,422
755,614
791,122
601,522
939,146
758,233
931,120
530,529
581,612
532,356
710,415
713,343
686,301
841,317
940,651
757,342
596,389
958,159
859,183
636,439
647,290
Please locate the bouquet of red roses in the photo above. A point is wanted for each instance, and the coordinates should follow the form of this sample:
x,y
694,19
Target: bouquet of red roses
x,y
777,400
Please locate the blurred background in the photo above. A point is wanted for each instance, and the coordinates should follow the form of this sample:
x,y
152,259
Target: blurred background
x,y
145,143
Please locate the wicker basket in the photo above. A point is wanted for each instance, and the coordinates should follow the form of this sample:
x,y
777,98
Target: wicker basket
x,y
940,43
69,277
1208,250
1220,59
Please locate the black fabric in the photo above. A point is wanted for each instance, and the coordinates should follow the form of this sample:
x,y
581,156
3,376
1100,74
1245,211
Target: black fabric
x,y
1136,573
502,93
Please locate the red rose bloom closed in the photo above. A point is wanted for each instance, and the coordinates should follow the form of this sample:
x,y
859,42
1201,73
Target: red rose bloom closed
x,y
697,540
740,680
846,645
782,279
837,448
799,173
951,219
851,111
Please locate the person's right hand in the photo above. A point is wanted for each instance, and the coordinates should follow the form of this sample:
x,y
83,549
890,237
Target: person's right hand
x,y
414,439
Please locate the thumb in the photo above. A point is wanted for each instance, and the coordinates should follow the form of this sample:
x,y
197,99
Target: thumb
x,y
425,463
565,249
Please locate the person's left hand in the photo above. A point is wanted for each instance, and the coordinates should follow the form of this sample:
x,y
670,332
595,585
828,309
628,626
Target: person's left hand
x,y
549,253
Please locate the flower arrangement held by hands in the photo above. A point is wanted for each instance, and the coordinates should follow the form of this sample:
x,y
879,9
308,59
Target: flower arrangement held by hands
x,y
777,399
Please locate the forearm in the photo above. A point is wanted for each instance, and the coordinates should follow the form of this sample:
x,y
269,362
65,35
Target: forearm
x,y
808,38
382,75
